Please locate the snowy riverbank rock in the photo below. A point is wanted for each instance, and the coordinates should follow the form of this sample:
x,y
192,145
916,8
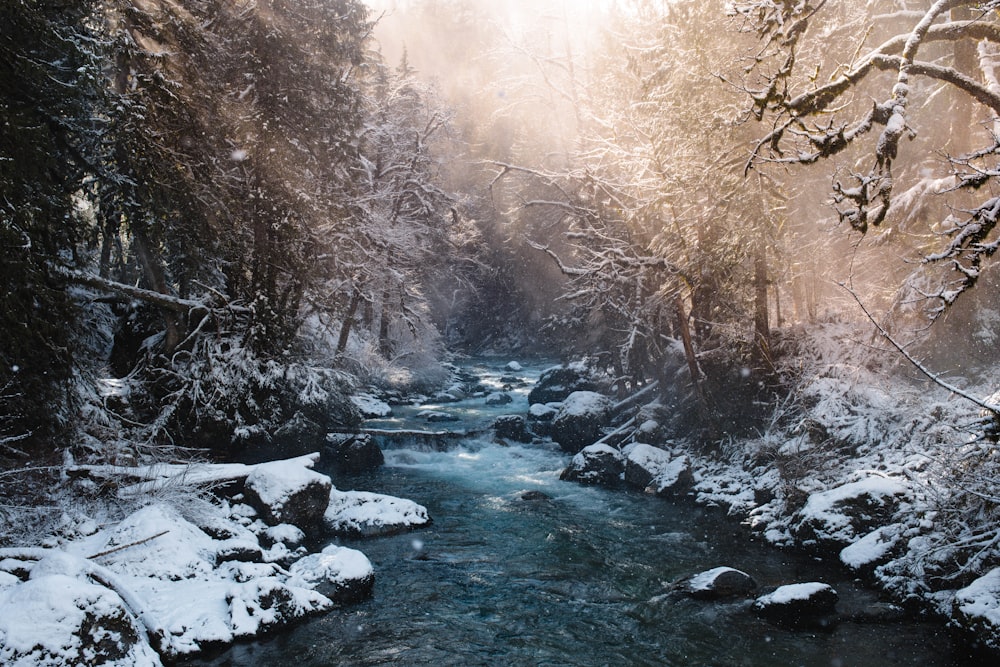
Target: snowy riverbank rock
x,y
836,517
976,610
797,604
57,619
364,514
602,465
155,570
371,407
556,384
655,470
720,582
578,422
352,452
344,575
288,492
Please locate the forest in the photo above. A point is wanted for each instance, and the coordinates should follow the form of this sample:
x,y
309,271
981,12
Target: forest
x,y
222,220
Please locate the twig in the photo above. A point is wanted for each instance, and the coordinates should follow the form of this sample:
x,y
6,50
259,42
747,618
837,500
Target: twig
x,y
128,546
933,377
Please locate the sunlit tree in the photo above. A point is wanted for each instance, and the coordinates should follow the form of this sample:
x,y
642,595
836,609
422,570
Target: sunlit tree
x,y
905,97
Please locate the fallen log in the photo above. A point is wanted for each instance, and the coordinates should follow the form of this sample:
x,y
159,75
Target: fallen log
x,y
159,476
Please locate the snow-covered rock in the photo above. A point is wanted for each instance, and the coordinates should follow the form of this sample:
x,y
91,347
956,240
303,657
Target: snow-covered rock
x,y
371,407
181,587
499,398
511,427
436,416
655,470
602,465
288,492
578,422
514,367
797,604
543,412
361,513
871,550
260,604
57,620
342,574
556,384
837,516
352,452
720,582
976,609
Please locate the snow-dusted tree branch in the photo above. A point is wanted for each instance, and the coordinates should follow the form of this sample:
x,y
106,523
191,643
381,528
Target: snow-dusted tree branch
x,y
858,102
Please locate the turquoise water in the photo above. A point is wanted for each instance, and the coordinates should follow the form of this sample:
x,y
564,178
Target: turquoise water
x,y
575,579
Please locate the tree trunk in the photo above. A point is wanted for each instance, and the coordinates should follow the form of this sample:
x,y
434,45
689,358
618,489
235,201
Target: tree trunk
x,y
761,316
152,272
345,327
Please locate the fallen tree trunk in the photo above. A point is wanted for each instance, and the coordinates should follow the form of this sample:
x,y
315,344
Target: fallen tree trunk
x,y
159,476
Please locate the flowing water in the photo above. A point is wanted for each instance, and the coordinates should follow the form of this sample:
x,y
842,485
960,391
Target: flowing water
x,y
574,578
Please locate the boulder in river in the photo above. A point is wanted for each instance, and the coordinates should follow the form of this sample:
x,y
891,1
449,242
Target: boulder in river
x,y
352,452
342,574
580,419
364,514
803,604
499,398
556,384
288,492
511,427
720,582
602,465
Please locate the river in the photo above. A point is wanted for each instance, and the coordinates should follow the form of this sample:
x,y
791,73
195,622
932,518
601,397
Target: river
x,y
575,578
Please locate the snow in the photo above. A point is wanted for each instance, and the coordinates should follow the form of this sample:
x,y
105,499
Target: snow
x,y
285,533
871,548
584,403
335,564
371,407
793,593
40,618
822,510
543,411
665,469
365,513
704,581
276,482
157,566
980,600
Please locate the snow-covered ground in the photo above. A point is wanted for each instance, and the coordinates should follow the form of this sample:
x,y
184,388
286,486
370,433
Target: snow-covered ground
x,y
875,466
174,578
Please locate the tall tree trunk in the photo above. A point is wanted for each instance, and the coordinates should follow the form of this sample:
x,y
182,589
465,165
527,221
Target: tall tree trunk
x,y
704,413
345,327
761,316
152,272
